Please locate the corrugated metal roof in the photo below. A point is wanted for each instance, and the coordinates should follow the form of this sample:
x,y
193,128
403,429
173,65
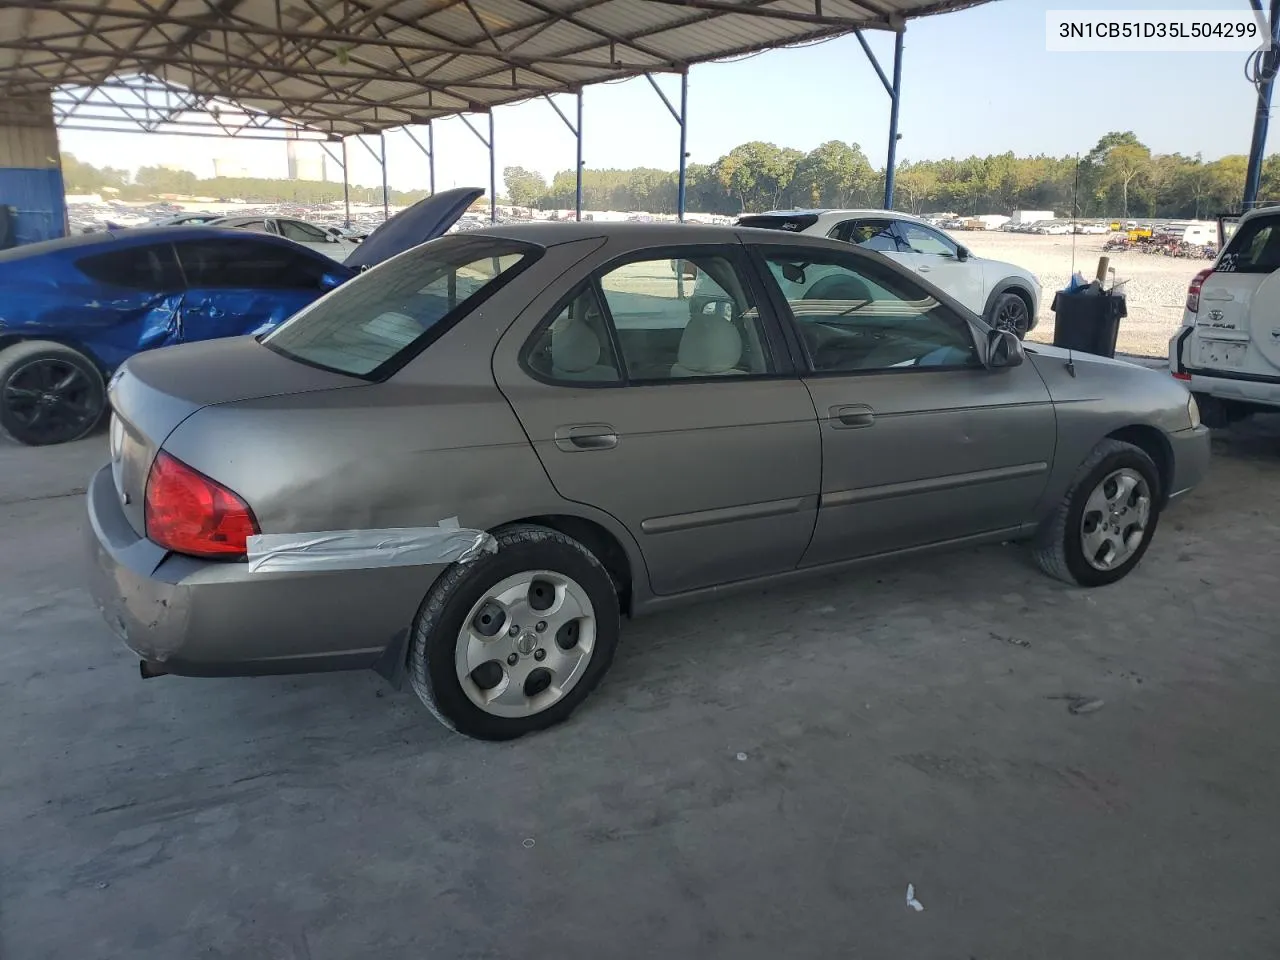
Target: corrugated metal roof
x,y
342,67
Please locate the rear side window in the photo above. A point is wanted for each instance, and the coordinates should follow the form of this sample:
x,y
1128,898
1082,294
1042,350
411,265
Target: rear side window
x,y
868,234
791,222
1255,248
368,324
138,268
223,263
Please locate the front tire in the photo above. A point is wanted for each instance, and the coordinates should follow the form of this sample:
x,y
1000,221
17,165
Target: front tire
x,y
1103,526
514,641
49,393
1010,312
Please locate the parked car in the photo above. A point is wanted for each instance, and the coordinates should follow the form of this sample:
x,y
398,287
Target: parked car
x,y
1228,349
299,231
74,309
1005,295
1092,229
1053,228
464,465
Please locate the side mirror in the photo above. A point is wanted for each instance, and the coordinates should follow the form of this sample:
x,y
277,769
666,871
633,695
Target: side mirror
x,y
962,254
1004,349
331,280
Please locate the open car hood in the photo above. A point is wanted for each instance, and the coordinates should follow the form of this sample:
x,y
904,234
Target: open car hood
x,y
427,219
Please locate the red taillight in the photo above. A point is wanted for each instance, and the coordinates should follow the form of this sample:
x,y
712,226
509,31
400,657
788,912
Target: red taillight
x,y
1193,291
1182,376
188,513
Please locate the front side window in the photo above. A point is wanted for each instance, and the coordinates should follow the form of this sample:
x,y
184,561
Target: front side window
x,y
373,320
869,234
222,263
301,232
152,268
921,239
856,316
255,226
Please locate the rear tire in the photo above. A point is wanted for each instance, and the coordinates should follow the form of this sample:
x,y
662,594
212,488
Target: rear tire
x,y
49,393
475,605
1065,543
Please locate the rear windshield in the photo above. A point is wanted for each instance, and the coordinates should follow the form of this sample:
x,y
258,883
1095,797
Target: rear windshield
x,y
791,222
369,323
1255,248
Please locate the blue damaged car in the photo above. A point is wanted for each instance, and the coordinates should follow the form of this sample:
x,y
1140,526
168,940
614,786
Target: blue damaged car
x,y
73,310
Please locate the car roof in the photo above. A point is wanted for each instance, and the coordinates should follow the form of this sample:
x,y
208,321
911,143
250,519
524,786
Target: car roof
x,y
127,237
840,212
641,236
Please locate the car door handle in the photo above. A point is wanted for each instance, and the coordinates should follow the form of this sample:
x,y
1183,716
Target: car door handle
x,y
922,268
852,415
586,436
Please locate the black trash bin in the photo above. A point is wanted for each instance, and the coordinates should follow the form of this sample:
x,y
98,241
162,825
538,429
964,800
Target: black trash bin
x,y
1088,320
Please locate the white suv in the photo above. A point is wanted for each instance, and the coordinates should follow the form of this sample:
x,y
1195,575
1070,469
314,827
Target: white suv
x,y
1228,350
1004,295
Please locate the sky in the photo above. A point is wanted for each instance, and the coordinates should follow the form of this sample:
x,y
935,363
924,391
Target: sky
x,y
974,82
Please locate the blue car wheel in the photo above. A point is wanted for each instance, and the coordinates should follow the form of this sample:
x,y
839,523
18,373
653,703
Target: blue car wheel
x,y
49,393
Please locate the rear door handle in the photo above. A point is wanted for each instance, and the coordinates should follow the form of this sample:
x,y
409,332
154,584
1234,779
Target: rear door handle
x,y
923,269
852,415
586,436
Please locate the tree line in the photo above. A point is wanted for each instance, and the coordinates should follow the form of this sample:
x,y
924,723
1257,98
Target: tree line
x,y
1118,177
150,183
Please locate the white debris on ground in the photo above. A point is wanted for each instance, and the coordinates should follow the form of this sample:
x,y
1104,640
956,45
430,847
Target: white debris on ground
x,y
1155,293
912,902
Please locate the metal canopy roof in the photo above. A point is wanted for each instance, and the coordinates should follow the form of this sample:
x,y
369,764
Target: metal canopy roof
x,y
342,67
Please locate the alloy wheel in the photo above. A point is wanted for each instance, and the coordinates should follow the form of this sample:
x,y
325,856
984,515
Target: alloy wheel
x,y
50,399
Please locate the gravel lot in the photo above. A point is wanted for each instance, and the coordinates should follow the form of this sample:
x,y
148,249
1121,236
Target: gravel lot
x,y
759,777
1155,292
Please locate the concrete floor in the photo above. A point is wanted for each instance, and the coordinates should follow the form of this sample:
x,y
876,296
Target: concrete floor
x,y
903,726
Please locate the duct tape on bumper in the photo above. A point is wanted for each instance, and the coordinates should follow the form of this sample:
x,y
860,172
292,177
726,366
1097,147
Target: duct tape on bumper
x,y
446,542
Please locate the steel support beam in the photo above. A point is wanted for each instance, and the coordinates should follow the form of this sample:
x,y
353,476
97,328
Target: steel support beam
x,y
679,116
1266,65
891,161
576,130
346,186
577,169
386,193
428,150
493,168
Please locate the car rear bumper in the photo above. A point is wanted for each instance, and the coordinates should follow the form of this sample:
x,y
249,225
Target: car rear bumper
x,y
209,618
1190,459
1262,392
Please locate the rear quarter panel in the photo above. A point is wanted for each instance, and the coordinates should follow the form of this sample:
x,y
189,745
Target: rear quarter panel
x,y
1102,396
437,440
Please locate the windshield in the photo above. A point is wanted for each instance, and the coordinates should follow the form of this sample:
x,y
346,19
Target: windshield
x,y
370,322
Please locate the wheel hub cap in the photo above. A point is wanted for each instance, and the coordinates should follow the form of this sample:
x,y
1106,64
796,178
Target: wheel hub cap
x,y
1114,522
525,644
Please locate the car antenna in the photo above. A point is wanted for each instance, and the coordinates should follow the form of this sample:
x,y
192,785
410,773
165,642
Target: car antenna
x,y
1071,363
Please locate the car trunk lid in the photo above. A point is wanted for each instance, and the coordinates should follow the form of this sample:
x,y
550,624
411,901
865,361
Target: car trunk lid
x,y
425,220
154,392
